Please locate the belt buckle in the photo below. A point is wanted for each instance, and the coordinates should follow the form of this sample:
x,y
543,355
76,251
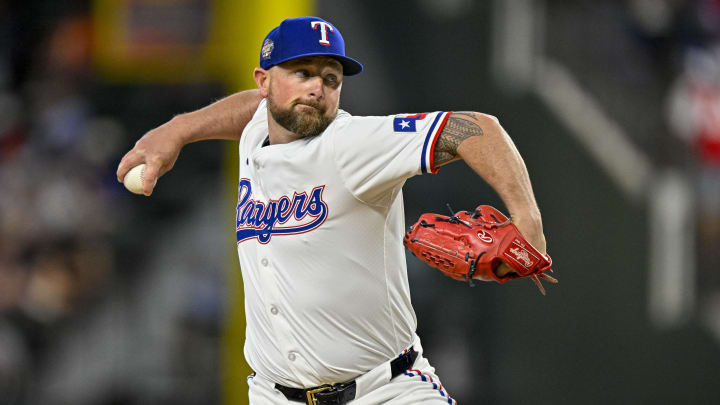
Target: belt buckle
x,y
311,400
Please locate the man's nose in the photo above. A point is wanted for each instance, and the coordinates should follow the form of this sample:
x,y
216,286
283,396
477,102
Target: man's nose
x,y
315,87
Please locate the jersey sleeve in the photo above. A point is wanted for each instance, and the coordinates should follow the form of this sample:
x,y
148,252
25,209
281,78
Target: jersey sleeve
x,y
376,154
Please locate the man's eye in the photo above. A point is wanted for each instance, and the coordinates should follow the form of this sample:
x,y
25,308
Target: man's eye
x,y
302,73
331,78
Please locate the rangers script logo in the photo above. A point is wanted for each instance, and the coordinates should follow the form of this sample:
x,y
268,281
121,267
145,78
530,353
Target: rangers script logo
x,y
261,220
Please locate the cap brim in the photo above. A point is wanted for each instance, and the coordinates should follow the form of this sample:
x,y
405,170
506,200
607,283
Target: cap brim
x,y
350,66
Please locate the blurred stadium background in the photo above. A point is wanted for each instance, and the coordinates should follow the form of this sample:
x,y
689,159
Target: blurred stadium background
x,y
110,298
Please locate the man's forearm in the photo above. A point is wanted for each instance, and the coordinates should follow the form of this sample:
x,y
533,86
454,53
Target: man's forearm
x,y
485,146
160,147
495,158
223,119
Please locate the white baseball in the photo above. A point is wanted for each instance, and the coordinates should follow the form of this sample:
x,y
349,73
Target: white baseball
x,y
133,180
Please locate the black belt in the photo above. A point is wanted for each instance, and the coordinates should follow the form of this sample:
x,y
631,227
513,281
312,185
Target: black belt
x,y
339,394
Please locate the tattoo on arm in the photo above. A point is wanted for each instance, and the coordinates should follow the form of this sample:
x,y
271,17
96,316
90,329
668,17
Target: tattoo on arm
x,y
459,126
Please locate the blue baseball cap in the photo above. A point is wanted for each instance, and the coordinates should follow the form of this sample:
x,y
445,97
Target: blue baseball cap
x,y
306,36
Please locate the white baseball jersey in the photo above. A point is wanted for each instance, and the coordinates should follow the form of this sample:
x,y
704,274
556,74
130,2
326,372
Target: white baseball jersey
x,y
320,223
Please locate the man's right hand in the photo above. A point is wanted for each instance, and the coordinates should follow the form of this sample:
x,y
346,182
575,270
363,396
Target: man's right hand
x,y
158,149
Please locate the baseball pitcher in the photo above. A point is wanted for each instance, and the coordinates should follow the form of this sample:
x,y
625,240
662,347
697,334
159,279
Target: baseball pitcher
x,y
320,223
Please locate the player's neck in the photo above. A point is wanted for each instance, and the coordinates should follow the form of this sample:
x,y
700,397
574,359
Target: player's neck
x,y
278,134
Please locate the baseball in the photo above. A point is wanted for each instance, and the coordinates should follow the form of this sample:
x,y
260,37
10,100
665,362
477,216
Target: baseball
x,y
133,180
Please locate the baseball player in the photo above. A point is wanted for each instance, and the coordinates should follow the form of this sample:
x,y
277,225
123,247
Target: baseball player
x,y
320,220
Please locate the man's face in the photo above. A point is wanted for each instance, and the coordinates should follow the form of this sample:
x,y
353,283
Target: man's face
x,y
304,94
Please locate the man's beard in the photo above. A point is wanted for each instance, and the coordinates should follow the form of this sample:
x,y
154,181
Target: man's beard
x,y
309,122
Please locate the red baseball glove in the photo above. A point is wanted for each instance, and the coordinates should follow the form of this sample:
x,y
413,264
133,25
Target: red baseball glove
x,y
471,246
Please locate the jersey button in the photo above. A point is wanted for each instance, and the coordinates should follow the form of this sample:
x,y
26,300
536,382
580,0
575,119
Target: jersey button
x,y
264,261
274,310
291,356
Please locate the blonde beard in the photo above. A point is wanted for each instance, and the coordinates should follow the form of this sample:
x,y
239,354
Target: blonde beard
x,y
308,123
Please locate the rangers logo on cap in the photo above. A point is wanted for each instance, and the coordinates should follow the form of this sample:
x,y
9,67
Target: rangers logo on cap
x,y
267,48
302,37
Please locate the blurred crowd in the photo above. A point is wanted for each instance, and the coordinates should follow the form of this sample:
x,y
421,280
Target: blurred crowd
x,y
654,66
56,185
693,111
73,327
684,38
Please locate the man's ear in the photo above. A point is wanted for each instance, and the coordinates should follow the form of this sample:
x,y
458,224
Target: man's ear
x,y
262,78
